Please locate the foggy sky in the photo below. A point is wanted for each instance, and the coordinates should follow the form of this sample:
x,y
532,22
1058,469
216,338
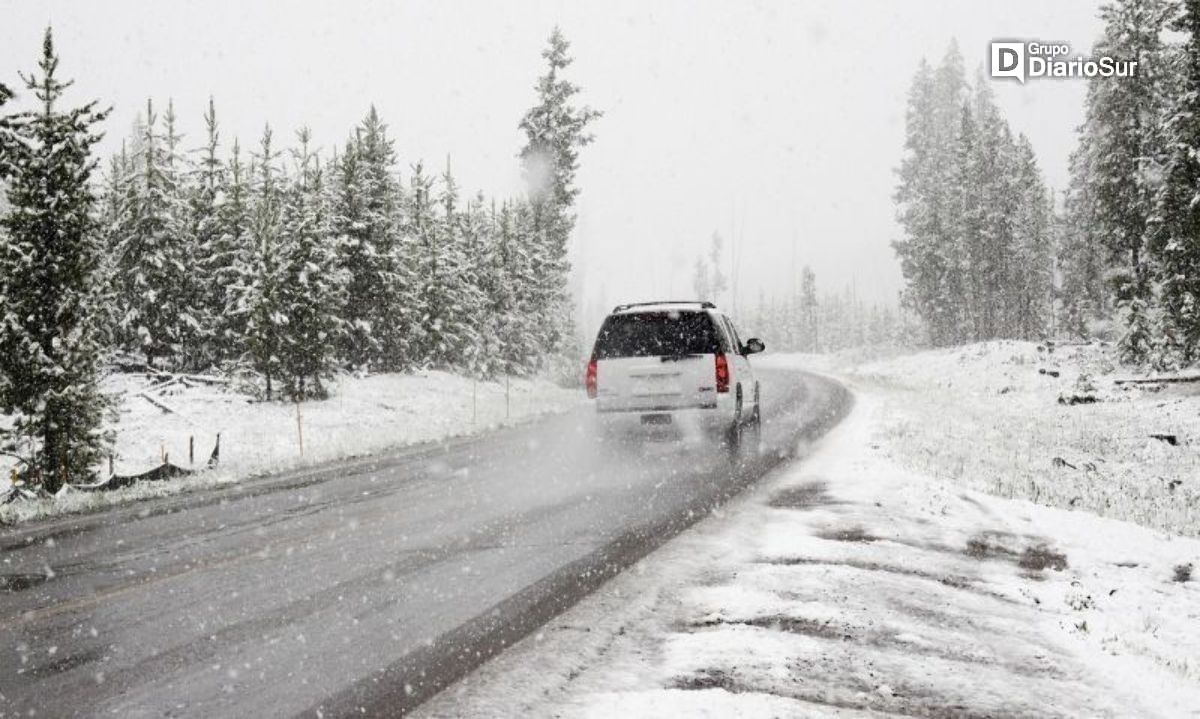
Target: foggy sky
x,y
778,124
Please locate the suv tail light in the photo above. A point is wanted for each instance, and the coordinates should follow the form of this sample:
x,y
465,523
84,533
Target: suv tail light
x,y
590,380
722,368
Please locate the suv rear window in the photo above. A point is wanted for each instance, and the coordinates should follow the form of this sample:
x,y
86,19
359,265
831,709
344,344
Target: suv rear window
x,y
651,334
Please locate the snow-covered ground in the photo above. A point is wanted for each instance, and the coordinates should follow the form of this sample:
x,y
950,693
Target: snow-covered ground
x,y
989,417
849,584
362,416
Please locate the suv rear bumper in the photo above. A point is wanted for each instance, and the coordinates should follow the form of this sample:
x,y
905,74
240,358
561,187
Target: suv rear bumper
x,y
703,418
709,402
654,409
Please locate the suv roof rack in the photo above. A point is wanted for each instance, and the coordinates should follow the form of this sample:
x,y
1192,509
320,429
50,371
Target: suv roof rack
x,y
704,304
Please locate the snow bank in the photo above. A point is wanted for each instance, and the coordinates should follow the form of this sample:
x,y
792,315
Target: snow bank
x,y
846,585
363,415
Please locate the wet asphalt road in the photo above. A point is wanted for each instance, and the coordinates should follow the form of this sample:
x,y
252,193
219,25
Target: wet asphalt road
x,y
362,587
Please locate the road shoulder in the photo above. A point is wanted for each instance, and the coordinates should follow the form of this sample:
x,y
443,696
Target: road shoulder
x,y
846,585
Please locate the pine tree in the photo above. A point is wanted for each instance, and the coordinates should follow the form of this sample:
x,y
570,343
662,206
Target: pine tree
x,y
114,226
379,309
504,280
555,130
1177,238
311,286
522,332
228,265
1033,231
262,300
49,260
356,257
190,288
1121,124
154,259
444,280
930,252
212,257
421,227
1083,261
8,139
810,335
480,248
962,253
995,275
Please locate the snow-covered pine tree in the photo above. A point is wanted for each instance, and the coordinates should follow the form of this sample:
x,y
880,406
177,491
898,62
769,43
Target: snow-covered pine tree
x,y
963,249
500,305
524,337
502,278
204,197
49,259
1031,277
1177,236
992,268
153,262
1082,260
810,335
379,310
444,277
431,270
479,247
394,310
8,140
191,288
311,286
1123,121
228,264
116,202
356,257
555,130
929,252
265,318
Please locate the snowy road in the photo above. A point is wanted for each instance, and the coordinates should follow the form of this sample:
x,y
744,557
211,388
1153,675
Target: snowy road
x,y
366,586
844,585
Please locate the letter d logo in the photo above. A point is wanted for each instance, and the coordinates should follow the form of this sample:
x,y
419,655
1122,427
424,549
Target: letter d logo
x,y
1008,60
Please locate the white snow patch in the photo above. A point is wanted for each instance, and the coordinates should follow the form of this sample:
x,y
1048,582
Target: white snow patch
x,y
989,417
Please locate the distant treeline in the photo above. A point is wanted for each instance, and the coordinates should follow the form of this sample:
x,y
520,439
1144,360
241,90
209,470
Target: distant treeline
x,y
800,321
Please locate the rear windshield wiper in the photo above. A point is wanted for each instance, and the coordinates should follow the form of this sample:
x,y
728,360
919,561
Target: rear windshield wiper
x,y
676,358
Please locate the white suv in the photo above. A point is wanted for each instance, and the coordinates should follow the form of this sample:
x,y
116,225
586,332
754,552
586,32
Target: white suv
x,y
666,363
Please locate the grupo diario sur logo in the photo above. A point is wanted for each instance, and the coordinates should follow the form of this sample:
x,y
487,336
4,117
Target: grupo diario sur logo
x,y
1036,60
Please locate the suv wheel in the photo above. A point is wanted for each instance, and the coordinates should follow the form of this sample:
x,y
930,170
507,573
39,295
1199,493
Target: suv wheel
x,y
735,433
743,439
752,436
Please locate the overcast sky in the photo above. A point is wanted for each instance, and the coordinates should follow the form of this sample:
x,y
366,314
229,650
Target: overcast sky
x,y
778,124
